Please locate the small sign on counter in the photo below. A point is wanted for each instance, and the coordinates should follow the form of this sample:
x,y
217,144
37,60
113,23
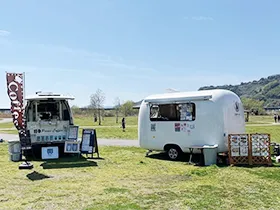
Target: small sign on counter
x,y
50,153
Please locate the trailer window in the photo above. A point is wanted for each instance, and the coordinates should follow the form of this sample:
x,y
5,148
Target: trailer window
x,y
173,112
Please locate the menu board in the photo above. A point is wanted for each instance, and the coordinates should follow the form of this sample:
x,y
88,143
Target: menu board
x,y
260,145
239,145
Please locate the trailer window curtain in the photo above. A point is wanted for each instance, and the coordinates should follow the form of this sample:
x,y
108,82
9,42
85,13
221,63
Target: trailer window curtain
x,y
172,112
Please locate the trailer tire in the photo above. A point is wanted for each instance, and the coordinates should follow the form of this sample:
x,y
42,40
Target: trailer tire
x,y
173,151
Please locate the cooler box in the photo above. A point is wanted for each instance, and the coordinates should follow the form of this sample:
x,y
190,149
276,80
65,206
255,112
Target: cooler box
x,y
210,154
14,150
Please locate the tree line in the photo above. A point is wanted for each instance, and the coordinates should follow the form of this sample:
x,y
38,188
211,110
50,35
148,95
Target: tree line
x,y
97,111
254,106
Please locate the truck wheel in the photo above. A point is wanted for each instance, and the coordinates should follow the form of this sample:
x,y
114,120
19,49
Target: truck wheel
x,y
174,153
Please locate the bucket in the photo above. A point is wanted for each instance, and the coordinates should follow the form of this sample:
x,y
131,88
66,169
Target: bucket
x,y
14,150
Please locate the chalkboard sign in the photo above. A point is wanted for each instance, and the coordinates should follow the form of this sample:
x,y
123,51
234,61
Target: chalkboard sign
x,y
89,142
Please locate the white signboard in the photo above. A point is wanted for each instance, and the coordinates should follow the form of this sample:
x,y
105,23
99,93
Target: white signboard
x,y
72,147
86,141
49,152
73,132
239,145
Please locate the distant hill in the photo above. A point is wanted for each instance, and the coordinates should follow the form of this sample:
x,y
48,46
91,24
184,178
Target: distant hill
x,y
265,89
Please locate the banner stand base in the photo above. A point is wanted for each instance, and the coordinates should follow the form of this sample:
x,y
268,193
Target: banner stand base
x,y
25,165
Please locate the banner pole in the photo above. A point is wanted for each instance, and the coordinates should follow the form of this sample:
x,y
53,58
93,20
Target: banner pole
x,y
24,94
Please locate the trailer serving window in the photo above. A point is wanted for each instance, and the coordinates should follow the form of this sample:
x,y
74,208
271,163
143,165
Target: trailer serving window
x,y
172,112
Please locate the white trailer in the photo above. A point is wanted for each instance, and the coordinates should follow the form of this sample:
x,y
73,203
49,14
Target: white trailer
x,y
176,122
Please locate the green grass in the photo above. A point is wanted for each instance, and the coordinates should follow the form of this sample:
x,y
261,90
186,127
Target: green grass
x,y
7,125
108,121
125,179
115,132
274,131
9,131
260,119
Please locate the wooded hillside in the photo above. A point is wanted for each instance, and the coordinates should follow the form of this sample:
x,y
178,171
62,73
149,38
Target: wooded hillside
x,y
266,90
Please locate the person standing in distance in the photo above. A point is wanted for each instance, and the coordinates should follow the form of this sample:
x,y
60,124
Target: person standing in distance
x,y
123,124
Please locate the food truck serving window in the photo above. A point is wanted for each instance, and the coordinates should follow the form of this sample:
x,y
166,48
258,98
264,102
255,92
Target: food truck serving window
x,y
172,112
48,110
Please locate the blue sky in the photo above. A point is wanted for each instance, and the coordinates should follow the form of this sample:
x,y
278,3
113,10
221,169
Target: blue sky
x,y
131,49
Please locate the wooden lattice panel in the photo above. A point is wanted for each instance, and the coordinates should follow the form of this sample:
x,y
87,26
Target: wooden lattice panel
x,y
253,149
239,160
260,147
261,160
238,149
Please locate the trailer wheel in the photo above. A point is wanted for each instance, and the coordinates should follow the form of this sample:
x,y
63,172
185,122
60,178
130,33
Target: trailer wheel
x,y
174,152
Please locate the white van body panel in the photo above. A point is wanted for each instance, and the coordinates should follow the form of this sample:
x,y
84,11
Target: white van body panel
x,y
48,118
217,114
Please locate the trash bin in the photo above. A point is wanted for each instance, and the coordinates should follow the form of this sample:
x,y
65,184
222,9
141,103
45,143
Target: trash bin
x,y
14,150
210,154
274,149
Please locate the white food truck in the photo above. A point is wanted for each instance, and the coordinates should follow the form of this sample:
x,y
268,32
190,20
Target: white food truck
x,y
176,122
48,119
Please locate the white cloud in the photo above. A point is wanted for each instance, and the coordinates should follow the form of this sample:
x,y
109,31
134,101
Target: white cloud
x,y
4,33
202,18
199,18
93,58
98,58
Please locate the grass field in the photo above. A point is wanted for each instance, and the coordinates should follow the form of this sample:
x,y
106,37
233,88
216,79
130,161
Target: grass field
x,y
125,179
108,121
274,131
110,129
260,119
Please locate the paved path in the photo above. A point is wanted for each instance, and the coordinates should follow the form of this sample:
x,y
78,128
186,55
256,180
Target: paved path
x,y
6,120
103,142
